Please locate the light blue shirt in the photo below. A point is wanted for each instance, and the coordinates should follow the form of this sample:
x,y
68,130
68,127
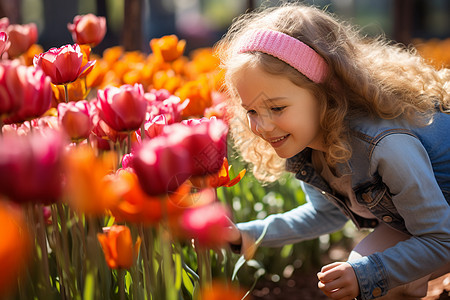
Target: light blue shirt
x,y
401,173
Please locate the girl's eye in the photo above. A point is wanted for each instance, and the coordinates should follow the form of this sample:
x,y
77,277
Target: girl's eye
x,y
278,108
251,112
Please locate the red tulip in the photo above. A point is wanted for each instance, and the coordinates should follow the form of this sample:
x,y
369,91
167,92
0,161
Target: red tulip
x,y
88,29
64,64
166,161
100,129
30,167
122,108
208,224
75,119
4,23
154,127
4,43
37,96
21,37
161,102
11,93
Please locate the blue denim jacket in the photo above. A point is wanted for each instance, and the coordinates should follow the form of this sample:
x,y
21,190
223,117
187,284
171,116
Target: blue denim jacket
x,y
401,173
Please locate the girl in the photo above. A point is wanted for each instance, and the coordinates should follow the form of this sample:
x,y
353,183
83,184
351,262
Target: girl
x,y
363,124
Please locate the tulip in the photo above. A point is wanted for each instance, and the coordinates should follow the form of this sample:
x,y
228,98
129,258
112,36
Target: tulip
x,y
168,47
221,291
171,107
154,127
166,161
75,91
11,95
4,23
199,94
75,119
221,178
21,37
31,167
15,246
208,224
4,43
64,64
37,96
88,29
122,108
90,189
118,247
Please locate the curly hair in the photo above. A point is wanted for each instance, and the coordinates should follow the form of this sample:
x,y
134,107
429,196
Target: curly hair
x,y
367,77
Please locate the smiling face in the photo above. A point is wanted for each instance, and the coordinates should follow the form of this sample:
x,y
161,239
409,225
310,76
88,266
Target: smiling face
x,y
280,112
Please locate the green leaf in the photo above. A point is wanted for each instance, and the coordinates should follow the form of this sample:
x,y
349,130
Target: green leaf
x,y
89,287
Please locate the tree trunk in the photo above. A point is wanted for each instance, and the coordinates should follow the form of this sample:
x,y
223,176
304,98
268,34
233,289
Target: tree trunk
x,y
132,25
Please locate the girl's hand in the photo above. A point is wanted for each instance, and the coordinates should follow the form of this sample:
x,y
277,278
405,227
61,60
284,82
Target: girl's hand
x,y
338,281
234,235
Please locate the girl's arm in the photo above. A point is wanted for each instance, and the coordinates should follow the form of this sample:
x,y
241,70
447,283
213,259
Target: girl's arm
x,y
404,166
316,217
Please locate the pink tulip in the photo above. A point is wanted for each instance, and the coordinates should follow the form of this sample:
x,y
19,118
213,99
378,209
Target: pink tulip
x,y
37,96
88,29
64,64
122,108
11,92
21,37
4,23
205,141
161,102
4,43
75,119
163,163
31,166
207,224
154,127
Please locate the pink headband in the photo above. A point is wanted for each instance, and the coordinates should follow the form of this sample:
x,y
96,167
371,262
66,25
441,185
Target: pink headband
x,y
288,49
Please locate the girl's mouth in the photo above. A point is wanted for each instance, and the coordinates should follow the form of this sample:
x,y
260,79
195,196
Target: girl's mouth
x,y
278,141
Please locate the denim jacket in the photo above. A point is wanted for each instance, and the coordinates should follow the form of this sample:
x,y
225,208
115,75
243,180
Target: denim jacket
x,y
401,173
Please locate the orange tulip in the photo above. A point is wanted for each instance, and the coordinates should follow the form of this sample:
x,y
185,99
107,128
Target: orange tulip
x,y
76,91
168,48
14,246
199,94
221,178
118,247
221,291
89,189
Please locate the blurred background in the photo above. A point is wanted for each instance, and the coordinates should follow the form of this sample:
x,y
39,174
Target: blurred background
x,y
132,23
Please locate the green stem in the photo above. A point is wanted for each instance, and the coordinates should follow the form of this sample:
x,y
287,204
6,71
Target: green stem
x,y
149,280
42,240
121,279
66,93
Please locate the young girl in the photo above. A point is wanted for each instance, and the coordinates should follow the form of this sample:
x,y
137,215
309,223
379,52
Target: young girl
x,y
363,124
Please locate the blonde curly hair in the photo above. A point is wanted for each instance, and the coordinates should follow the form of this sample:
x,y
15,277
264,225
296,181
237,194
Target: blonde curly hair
x,y
367,77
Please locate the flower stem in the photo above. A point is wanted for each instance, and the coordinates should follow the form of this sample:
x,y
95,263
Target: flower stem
x,y
42,240
121,279
129,142
149,280
66,93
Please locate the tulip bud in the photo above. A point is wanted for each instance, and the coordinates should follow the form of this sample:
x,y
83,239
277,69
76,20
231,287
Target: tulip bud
x,y
21,37
118,247
88,29
122,108
75,119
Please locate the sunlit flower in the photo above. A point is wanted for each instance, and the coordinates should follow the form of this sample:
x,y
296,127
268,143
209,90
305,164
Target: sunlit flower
x,y
75,90
15,246
4,43
168,47
89,188
75,119
171,106
221,178
154,126
11,96
31,167
37,96
199,94
207,224
122,108
21,37
88,29
64,64
118,247
168,80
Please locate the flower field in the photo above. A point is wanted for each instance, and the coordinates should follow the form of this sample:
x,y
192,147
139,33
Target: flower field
x,y
117,178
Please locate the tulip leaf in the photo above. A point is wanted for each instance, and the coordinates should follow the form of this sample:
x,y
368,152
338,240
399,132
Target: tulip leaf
x,y
187,282
89,284
178,271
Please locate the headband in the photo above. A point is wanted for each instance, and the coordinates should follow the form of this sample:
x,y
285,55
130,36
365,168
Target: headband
x,y
288,49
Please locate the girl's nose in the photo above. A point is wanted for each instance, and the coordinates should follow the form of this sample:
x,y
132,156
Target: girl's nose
x,y
264,124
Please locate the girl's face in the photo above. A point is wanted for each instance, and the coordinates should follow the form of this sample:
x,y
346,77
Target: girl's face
x,y
280,112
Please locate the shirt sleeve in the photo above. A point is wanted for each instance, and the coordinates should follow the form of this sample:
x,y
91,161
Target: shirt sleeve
x,y
404,166
316,217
